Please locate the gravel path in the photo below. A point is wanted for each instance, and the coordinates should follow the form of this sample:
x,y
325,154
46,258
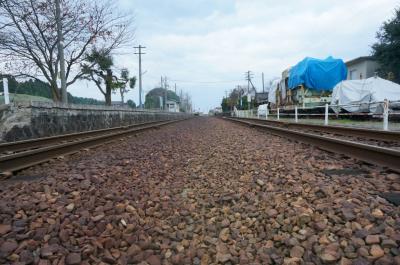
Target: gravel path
x,y
203,191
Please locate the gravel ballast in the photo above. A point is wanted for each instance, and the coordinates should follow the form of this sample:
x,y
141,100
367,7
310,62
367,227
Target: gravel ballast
x,y
201,191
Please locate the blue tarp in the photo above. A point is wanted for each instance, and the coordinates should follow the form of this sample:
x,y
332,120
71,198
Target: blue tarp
x,y
318,74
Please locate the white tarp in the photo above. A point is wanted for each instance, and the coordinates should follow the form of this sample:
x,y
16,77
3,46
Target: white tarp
x,y
364,95
272,91
262,109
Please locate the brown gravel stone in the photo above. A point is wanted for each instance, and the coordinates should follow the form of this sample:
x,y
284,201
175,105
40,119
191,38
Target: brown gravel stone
x,y
377,213
46,252
73,258
26,257
4,229
260,182
154,260
376,251
202,191
393,177
389,243
372,239
296,252
345,261
98,217
133,250
224,234
7,248
330,253
70,207
272,213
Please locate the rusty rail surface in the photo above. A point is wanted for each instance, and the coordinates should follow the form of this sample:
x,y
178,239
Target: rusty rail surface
x,y
43,141
28,158
385,157
379,135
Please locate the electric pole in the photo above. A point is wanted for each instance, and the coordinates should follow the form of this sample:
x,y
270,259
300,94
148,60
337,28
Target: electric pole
x,y
165,92
60,42
248,81
249,75
162,86
263,82
140,73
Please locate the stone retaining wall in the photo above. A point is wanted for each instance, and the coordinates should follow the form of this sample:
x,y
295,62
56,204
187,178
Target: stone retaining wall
x,y
21,121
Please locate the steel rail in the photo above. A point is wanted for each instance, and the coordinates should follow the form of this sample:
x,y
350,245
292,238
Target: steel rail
x,y
25,159
346,131
40,142
372,154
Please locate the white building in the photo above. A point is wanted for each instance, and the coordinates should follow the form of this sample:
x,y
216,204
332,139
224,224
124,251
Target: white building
x,y
172,106
361,68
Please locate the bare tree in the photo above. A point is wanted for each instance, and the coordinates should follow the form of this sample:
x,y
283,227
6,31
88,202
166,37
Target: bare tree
x,y
28,36
185,102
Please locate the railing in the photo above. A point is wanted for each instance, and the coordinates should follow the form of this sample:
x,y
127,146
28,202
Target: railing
x,y
329,113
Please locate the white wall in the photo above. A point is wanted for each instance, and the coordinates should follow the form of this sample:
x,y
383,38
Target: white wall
x,y
366,69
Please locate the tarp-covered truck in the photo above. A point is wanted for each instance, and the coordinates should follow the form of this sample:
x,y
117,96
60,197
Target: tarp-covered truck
x,y
311,81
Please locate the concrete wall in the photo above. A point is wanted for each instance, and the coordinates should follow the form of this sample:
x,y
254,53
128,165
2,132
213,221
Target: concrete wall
x,y
21,121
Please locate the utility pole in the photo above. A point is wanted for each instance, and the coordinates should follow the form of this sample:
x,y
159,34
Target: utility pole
x,y
60,42
165,92
263,82
140,47
181,99
248,81
249,75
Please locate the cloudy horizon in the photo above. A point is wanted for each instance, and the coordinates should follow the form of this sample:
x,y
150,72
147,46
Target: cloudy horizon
x,y
205,46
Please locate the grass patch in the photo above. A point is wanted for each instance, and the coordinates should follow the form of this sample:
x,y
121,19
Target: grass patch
x,y
24,98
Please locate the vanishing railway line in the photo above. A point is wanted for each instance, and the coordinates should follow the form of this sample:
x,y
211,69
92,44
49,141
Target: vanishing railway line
x,y
200,191
383,156
22,154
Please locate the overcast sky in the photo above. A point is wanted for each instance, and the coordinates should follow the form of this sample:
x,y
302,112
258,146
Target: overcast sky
x,y
205,46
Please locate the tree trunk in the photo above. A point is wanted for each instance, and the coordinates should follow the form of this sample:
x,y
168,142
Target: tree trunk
x,y
55,93
108,97
108,87
122,95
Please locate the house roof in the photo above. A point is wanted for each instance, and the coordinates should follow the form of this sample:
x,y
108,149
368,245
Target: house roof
x,y
359,60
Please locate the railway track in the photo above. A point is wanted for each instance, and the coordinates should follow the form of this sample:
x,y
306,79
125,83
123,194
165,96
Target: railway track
x,y
14,147
379,135
382,156
23,154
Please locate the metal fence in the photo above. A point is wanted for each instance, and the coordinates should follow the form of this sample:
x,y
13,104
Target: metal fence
x,y
383,112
